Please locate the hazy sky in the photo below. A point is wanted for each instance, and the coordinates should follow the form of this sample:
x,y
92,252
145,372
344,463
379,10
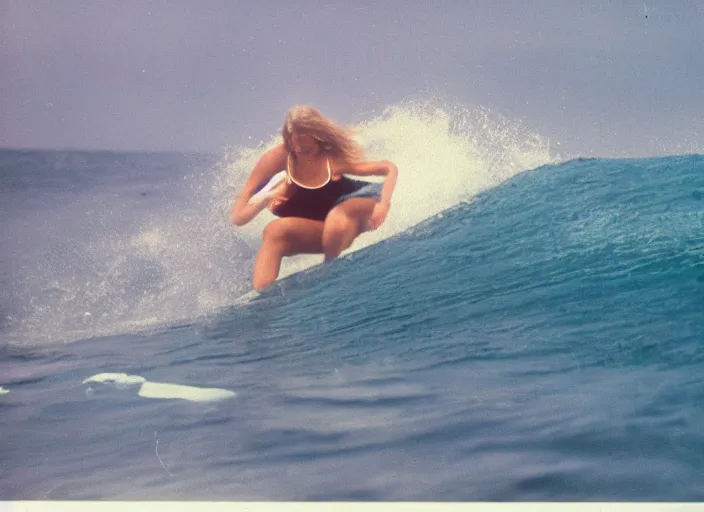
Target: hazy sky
x,y
602,77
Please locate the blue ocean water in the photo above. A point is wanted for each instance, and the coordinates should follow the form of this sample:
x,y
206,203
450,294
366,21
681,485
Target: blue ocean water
x,y
519,332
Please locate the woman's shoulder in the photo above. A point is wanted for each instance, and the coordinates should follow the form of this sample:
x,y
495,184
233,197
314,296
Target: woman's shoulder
x,y
278,150
275,157
340,166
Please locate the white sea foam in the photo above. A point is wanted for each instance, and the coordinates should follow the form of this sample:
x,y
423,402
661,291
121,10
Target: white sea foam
x,y
161,390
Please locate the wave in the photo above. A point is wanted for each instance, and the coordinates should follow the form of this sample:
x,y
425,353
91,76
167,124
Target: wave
x,y
446,154
183,261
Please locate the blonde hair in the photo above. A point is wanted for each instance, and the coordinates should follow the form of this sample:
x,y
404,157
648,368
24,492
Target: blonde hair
x,y
333,138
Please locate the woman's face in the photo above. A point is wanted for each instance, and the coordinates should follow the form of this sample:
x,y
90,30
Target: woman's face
x,y
304,144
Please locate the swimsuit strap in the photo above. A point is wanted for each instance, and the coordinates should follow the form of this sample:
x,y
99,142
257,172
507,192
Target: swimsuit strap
x,y
290,175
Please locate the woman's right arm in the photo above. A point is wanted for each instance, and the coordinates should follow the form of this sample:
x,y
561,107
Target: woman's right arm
x,y
268,165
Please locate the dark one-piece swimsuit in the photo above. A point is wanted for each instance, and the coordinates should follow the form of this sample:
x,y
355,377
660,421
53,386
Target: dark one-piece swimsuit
x,y
316,203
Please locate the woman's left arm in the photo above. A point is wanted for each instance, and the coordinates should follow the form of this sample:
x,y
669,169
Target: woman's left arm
x,y
380,168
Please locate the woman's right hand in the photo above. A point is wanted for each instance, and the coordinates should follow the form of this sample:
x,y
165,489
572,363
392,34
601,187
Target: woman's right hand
x,y
248,204
278,194
266,197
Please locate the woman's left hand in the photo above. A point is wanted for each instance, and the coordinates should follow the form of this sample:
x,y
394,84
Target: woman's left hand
x,y
378,216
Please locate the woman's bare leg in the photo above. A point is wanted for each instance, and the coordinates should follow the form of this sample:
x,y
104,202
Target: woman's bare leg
x,y
344,223
284,237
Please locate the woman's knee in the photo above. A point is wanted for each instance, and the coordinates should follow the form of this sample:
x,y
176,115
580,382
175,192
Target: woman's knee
x,y
276,238
289,236
339,221
353,213
275,232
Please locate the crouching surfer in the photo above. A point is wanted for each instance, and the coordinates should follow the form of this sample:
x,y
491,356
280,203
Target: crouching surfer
x,y
320,208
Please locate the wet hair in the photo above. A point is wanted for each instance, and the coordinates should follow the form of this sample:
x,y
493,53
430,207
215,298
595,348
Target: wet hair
x,y
334,139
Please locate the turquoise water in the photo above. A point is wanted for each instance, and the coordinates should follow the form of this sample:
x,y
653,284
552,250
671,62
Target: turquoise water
x,y
538,339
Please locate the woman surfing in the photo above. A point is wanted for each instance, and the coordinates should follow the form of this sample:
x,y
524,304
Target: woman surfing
x,y
320,208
